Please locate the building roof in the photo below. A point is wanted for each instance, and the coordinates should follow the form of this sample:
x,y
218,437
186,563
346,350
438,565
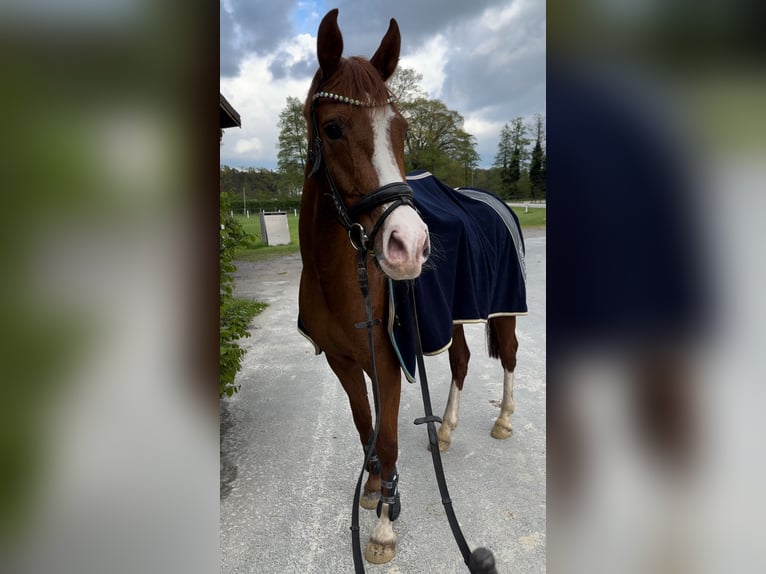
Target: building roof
x,y
229,116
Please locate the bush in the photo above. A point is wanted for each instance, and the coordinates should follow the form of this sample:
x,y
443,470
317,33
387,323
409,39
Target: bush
x,y
235,314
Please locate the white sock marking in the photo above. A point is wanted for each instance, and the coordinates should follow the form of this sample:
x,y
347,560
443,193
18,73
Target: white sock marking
x,y
452,409
508,405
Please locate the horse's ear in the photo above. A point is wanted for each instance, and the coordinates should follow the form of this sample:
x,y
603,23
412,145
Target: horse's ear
x,y
329,44
386,57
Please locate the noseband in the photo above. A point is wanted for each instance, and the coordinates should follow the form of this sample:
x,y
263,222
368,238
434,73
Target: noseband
x,y
395,194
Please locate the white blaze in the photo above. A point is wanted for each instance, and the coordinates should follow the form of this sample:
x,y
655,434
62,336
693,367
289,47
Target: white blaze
x,y
404,235
383,159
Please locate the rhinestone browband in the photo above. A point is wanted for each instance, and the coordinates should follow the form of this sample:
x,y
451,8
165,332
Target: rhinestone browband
x,y
347,100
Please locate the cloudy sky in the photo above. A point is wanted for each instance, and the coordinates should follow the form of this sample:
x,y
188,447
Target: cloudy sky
x,y
484,58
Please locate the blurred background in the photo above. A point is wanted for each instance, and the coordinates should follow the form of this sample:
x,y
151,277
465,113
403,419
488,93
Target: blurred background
x,y
108,259
656,140
108,289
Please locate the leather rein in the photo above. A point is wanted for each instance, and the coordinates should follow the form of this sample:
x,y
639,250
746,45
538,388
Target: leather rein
x,y
481,560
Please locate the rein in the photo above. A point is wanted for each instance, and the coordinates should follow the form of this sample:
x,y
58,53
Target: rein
x,y
481,560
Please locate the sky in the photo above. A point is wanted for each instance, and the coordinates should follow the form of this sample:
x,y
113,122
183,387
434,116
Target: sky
x,y
484,59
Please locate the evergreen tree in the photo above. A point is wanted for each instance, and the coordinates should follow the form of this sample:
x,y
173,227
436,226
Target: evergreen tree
x,y
535,172
502,164
537,164
514,173
519,143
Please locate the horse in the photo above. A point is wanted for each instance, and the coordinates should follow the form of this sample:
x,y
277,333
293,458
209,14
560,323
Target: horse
x,y
354,194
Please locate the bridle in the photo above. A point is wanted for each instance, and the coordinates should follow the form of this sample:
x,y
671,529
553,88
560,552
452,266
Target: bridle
x,y
481,560
394,194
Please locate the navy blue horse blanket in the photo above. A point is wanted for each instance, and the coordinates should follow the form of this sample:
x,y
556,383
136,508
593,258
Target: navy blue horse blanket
x,y
476,270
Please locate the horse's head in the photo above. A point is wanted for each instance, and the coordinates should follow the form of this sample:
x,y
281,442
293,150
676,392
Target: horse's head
x,y
356,139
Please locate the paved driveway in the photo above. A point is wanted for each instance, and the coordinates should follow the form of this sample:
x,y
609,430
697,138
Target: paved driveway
x,y
290,454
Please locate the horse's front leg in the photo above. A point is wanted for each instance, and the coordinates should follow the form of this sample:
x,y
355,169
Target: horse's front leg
x,y
382,545
351,377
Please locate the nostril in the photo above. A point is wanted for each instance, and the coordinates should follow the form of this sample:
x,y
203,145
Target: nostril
x,y
395,248
426,247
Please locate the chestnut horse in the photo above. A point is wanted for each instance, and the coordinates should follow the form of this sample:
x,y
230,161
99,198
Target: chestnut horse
x,y
355,193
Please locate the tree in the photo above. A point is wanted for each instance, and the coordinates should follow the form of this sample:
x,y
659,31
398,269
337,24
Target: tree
x,y
511,157
436,140
537,164
291,159
255,185
502,165
536,184
405,85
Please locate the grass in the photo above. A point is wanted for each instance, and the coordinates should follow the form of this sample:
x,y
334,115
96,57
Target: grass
x,y
260,250
535,218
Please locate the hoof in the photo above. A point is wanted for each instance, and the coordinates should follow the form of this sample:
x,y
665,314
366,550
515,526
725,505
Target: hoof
x,y
377,553
369,500
501,431
444,434
443,445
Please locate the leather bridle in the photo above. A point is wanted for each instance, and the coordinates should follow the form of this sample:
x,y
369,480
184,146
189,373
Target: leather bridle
x,y
392,194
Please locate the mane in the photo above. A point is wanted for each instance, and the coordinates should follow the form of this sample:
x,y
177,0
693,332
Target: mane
x,y
355,78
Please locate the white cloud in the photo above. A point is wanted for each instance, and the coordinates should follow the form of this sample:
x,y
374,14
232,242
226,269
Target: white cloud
x,y
498,20
259,98
487,135
481,128
429,59
248,146
301,47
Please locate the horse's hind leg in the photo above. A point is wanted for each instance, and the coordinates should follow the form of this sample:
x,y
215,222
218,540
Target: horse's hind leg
x,y
459,356
502,344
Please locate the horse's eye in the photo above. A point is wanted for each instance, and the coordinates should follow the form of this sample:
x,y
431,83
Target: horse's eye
x,y
333,131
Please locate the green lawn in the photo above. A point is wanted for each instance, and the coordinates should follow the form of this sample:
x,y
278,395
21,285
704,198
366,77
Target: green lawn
x,y
535,218
253,226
